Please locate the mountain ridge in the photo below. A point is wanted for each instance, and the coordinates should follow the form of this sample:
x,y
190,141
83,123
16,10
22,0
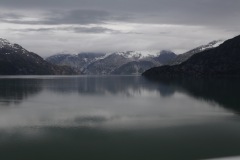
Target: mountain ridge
x,y
15,60
220,61
185,56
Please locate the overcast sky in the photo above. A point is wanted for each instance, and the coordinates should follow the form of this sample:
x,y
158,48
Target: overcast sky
x,y
51,26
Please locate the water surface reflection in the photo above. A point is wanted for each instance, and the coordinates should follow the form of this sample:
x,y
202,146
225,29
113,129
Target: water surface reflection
x,y
118,117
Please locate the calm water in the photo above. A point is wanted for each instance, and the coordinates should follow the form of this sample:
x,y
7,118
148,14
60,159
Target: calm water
x,y
118,118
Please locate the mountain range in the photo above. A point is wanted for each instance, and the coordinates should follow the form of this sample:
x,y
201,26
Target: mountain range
x,y
123,63
219,61
215,58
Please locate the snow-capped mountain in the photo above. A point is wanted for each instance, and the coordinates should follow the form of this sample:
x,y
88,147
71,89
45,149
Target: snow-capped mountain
x,y
137,55
185,56
113,63
15,60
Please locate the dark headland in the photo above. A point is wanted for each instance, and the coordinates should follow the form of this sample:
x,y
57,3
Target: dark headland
x,y
223,60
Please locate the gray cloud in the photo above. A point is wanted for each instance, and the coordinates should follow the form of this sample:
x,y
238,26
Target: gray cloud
x,y
215,13
115,25
10,16
76,29
93,30
80,16
134,5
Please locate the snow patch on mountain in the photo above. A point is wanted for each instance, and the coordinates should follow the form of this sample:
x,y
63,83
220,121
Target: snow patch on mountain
x,y
102,57
212,44
218,43
139,54
5,43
